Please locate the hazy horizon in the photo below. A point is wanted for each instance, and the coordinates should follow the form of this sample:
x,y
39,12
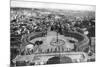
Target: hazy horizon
x,y
42,5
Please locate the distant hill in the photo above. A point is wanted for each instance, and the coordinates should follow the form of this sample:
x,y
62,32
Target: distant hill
x,y
58,11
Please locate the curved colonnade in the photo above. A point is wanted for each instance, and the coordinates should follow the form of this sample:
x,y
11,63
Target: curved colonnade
x,y
82,39
46,58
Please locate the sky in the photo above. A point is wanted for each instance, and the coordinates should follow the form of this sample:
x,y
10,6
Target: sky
x,y
34,4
